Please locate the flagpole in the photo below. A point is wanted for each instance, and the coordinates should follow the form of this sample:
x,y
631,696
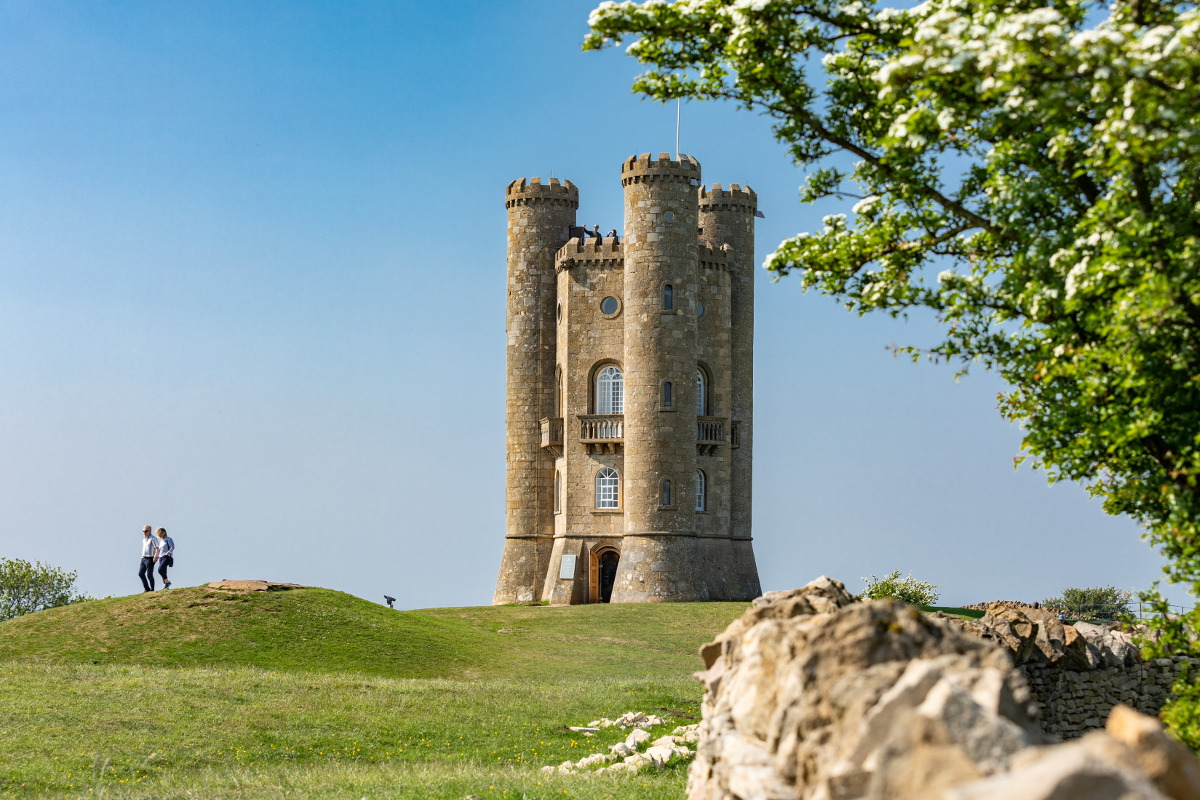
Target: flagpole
x,y
678,103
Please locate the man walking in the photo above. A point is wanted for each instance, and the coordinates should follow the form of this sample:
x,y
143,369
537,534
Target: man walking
x,y
149,556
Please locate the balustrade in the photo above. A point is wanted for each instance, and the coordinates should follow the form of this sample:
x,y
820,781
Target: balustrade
x,y
552,435
710,434
603,433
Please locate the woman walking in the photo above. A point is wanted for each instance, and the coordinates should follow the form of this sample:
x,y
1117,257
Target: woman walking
x,y
166,557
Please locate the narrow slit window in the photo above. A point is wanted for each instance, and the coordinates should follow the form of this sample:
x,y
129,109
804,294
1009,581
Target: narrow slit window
x,y
558,493
607,488
701,493
666,395
668,297
666,492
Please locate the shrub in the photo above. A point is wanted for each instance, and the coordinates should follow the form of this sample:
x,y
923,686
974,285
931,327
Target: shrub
x,y
910,590
26,587
1099,602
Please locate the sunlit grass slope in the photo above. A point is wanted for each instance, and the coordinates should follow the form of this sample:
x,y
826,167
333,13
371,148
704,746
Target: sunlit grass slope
x,y
311,693
319,630
196,732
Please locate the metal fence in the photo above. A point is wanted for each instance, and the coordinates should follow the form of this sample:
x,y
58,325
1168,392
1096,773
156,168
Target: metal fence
x,y
1107,612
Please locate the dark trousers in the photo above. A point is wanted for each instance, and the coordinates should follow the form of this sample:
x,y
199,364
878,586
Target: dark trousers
x,y
163,563
146,573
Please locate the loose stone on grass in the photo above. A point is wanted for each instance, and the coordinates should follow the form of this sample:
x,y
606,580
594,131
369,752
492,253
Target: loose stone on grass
x,y
659,753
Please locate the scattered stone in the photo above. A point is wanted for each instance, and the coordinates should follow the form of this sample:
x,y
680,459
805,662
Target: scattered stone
x,y
253,586
630,719
637,738
594,759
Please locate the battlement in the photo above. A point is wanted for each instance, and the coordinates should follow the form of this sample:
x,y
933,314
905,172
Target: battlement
x,y
643,168
714,257
521,193
606,253
733,197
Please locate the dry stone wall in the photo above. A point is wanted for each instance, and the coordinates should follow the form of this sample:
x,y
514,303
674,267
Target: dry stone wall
x,y
1078,673
1074,702
813,695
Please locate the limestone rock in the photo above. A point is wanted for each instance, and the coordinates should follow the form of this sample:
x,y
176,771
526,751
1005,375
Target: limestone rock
x,y
1079,654
1174,769
919,761
1016,630
637,738
808,685
1050,643
1096,767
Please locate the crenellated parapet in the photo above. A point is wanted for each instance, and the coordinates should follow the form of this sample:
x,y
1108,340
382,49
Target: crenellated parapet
x,y
590,252
735,197
643,169
714,257
522,193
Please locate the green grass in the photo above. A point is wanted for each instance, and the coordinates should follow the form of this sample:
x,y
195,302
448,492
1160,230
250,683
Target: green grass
x,y
965,613
312,693
326,631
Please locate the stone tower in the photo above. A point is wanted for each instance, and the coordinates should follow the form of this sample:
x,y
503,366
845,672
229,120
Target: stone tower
x,y
630,393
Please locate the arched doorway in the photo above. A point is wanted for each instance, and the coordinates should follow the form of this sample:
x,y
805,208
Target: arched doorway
x,y
603,573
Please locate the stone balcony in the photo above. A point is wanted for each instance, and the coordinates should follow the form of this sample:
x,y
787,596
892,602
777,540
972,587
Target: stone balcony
x,y
710,434
602,433
552,435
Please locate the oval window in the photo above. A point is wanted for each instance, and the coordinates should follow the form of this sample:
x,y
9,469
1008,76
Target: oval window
x,y
699,308
669,216
609,306
558,312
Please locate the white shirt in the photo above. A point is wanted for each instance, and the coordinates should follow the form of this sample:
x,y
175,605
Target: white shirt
x,y
149,546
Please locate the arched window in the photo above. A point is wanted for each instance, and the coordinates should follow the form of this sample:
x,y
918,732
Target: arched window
x,y
666,492
559,405
608,493
701,393
668,297
667,400
610,391
557,492
701,491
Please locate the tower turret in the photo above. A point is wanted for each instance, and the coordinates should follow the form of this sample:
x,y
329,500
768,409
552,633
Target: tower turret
x,y
727,219
661,217
539,218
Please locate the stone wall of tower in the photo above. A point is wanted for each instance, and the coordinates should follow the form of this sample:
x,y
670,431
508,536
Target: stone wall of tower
x,y
661,217
727,221
539,218
588,339
713,348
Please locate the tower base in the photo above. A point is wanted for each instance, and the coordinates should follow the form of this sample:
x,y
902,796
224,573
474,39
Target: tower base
x,y
671,567
523,569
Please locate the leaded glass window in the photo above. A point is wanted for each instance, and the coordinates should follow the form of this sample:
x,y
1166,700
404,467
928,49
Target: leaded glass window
x,y
610,391
607,488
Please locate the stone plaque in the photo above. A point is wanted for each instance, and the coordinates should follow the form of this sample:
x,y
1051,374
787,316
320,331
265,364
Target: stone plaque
x,y
566,570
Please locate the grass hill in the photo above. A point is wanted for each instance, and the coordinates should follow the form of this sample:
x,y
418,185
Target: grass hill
x,y
311,693
324,631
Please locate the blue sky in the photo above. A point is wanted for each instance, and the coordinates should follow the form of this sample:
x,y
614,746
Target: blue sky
x,y
252,284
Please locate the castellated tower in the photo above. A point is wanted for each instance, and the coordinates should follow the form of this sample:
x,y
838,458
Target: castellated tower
x,y
630,393
539,218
